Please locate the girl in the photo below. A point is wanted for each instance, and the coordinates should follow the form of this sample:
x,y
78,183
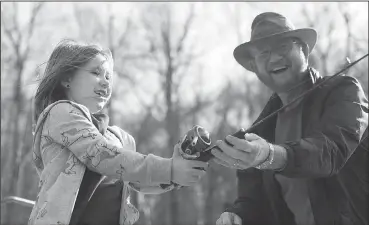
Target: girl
x,y
86,166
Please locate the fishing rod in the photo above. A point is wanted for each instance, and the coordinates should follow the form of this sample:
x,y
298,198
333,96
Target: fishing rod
x,y
348,61
196,144
350,64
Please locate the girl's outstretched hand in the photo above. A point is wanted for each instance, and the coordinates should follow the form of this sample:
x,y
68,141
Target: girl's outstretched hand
x,y
186,172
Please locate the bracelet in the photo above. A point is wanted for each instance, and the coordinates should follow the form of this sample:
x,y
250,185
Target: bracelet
x,y
269,160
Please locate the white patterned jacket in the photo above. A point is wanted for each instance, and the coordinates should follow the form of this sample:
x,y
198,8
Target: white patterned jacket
x,y
66,142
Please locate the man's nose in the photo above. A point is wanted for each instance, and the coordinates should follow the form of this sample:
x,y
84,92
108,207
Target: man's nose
x,y
275,57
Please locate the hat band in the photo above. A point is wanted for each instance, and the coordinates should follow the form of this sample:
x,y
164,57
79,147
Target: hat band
x,y
266,31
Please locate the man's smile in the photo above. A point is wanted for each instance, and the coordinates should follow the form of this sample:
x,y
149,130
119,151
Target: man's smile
x,y
278,70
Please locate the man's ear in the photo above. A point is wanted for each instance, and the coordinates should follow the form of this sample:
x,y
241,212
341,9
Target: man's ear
x,y
305,49
307,55
250,65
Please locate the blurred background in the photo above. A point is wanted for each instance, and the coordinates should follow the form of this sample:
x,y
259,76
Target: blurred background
x,y
174,68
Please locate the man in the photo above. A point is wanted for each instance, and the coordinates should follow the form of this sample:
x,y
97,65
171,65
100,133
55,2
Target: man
x,y
299,167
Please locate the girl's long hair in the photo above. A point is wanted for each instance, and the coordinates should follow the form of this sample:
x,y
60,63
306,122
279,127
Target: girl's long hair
x,y
64,61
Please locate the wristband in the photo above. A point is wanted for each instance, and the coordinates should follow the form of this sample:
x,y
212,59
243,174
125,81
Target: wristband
x,y
269,160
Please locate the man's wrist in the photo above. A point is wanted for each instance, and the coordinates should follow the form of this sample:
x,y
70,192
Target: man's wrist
x,y
280,158
277,159
269,160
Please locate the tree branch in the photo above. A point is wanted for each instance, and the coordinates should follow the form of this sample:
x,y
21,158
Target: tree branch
x,y
8,31
36,9
123,38
186,28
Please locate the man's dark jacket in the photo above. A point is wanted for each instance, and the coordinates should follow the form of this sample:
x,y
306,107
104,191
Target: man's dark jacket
x,y
334,118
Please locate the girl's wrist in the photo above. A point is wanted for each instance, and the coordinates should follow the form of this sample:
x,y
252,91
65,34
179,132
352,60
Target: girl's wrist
x,y
171,169
160,170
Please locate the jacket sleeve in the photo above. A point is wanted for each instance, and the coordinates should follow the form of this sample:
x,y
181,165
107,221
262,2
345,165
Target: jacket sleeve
x,y
69,126
331,143
143,187
250,202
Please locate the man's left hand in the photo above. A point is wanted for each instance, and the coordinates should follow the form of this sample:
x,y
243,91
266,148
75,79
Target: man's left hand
x,y
244,153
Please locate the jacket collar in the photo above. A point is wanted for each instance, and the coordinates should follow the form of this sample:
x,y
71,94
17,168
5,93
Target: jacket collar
x,y
101,121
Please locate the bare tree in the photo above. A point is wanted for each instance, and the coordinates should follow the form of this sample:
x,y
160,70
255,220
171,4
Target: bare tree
x,y
326,31
354,47
347,19
171,56
19,39
116,39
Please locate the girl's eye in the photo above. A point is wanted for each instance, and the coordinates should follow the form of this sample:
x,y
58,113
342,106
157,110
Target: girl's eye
x,y
96,73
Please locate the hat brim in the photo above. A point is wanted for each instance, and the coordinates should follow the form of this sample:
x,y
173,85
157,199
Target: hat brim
x,y
243,55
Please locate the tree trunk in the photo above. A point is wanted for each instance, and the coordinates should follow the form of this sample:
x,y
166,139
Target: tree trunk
x,y
172,127
26,153
209,199
15,152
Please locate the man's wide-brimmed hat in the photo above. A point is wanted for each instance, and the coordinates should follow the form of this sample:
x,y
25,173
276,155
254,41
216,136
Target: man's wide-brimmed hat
x,y
268,26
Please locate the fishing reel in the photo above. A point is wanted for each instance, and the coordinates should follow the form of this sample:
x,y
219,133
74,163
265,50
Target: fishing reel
x,y
194,146
196,143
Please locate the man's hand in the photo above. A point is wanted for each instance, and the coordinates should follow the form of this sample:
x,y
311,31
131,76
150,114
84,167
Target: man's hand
x,y
244,153
186,172
228,218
